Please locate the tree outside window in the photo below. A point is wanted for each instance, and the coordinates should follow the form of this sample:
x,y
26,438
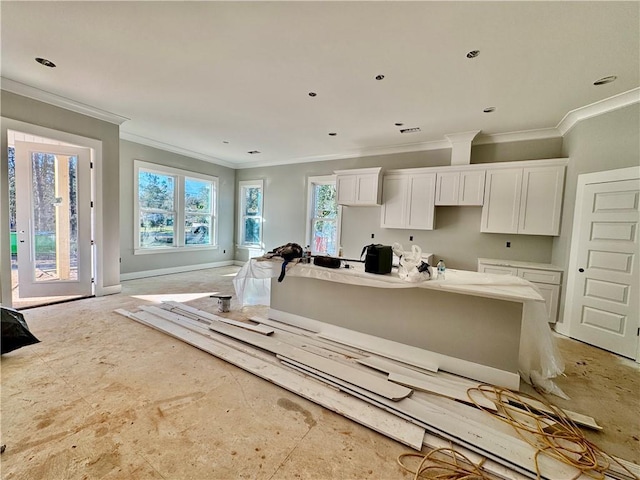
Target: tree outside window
x,y
250,221
324,216
175,208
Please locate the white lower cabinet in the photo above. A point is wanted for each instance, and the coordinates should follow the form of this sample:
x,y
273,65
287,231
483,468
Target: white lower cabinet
x,y
547,278
408,201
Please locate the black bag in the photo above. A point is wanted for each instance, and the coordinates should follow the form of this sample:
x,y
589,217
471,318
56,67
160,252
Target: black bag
x,y
288,252
378,259
15,332
329,262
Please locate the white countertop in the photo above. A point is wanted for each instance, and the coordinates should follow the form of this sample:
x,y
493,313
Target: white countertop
x,y
501,287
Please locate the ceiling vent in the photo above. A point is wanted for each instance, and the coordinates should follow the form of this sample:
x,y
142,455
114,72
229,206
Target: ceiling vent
x,y
410,130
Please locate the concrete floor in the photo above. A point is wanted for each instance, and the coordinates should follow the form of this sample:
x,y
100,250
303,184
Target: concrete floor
x,y
103,397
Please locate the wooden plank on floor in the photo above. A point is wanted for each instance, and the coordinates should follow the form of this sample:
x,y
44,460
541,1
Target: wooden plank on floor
x,y
346,405
431,386
216,318
329,345
381,386
577,418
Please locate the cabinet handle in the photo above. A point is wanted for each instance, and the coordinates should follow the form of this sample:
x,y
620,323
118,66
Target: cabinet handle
x,y
581,270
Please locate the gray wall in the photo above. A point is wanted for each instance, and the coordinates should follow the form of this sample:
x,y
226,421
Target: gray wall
x,y
31,111
605,142
131,263
457,237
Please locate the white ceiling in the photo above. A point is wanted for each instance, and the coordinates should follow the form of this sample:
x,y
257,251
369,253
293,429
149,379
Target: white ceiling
x,y
194,75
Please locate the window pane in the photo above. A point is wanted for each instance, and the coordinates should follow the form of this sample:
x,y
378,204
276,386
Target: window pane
x,y
156,230
155,190
197,194
252,201
197,230
252,227
325,201
324,236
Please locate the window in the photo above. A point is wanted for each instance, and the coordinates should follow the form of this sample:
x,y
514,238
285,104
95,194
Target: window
x,y
250,213
323,225
174,208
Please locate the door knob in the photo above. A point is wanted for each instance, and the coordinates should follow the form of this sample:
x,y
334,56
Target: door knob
x,y
581,270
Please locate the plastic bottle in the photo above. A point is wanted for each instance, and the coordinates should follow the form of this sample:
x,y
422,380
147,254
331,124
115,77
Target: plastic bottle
x,y
441,268
307,254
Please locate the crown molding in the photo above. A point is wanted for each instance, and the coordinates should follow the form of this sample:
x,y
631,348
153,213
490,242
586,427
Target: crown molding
x,y
167,147
365,152
598,108
539,134
58,101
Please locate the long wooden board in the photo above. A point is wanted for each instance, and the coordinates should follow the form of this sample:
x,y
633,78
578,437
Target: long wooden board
x,y
366,414
216,318
373,383
431,386
469,427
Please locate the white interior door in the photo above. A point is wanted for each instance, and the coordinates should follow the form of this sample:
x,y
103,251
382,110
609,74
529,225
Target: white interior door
x,y
603,298
53,216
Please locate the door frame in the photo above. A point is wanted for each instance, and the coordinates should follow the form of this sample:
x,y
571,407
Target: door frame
x,y
96,193
607,176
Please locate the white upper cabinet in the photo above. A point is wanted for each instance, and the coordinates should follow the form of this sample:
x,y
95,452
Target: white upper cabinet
x,y
541,200
408,200
524,200
460,187
358,187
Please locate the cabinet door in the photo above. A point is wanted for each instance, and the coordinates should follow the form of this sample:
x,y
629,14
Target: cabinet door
x,y
497,269
366,190
502,201
550,294
420,204
394,193
447,188
471,188
541,200
346,188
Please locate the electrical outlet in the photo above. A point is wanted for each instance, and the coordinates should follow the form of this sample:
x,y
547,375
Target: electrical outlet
x,y
224,251
411,238
373,235
508,245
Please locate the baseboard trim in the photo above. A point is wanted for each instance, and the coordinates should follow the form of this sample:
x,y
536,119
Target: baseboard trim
x,y
110,290
168,271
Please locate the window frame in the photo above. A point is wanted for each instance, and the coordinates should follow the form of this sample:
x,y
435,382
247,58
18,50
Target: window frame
x,y
179,204
311,182
242,186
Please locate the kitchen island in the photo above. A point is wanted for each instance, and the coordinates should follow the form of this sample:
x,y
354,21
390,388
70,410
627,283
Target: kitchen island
x,y
469,324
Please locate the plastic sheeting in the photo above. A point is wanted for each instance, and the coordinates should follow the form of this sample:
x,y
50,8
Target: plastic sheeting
x,y
540,359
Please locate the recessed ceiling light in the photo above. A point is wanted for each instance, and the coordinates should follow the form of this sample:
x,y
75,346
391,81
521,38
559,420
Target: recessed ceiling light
x,y
379,77
253,152
398,124
489,110
473,53
45,62
312,94
332,134
605,80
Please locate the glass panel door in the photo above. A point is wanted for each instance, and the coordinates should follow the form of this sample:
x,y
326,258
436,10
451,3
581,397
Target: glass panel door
x,y
53,215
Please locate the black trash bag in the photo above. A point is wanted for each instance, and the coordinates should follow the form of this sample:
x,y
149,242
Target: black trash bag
x,y
15,332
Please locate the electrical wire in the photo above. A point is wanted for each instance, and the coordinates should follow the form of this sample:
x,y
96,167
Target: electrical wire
x,y
554,435
444,464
